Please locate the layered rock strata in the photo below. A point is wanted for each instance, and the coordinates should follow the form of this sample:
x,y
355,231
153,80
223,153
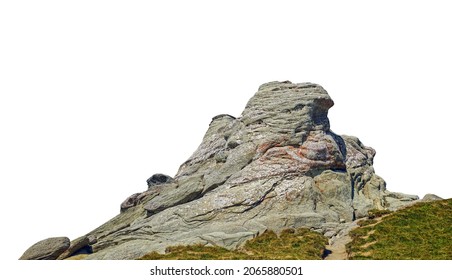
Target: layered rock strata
x,y
278,165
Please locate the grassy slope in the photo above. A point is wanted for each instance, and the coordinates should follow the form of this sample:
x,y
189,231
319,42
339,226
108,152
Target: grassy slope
x,y
300,244
422,231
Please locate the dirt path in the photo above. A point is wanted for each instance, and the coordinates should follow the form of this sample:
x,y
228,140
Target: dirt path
x,y
337,249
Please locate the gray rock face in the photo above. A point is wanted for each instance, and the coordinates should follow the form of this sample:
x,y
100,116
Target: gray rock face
x,y
278,165
47,249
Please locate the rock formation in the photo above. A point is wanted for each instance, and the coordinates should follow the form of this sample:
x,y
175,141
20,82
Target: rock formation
x,y
276,166
47,249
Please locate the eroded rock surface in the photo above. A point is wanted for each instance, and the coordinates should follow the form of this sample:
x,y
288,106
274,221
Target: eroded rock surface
x,y
47,249
278,165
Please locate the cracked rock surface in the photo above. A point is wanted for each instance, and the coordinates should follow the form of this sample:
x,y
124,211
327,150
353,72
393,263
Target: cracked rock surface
x,y
278,165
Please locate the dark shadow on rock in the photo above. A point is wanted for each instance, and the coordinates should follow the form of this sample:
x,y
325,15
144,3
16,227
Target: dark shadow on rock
x,y
340,143
326,253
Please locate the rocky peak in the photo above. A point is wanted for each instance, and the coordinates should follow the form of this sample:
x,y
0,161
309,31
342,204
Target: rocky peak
x,y
284,128
291,110
278,165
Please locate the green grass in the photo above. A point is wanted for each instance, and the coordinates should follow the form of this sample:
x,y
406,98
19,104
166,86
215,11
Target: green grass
x,y
300,244
422,232
374,213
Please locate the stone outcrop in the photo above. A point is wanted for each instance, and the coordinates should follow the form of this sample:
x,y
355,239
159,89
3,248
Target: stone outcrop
x,y
81,245
278,165
59,248
431,197
47,249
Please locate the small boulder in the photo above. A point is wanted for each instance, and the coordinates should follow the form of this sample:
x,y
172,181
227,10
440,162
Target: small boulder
x,y
131,201
158,179
47,249
431,197
79,244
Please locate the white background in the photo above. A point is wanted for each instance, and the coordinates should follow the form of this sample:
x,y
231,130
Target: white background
x,y
96,96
